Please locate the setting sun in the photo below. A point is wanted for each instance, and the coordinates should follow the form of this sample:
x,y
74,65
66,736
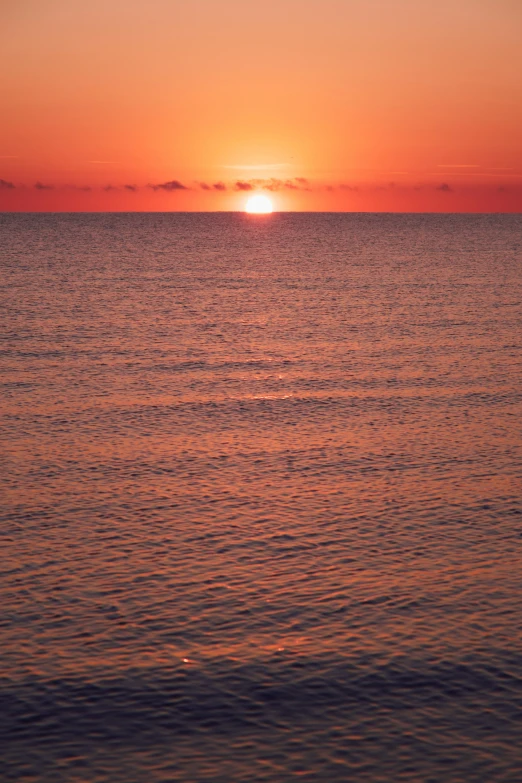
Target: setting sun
x,y
259,205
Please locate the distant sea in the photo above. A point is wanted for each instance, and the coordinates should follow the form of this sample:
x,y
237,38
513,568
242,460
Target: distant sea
x,y
261,498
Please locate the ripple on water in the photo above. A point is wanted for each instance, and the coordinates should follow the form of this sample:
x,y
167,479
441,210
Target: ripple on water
x,y
261,498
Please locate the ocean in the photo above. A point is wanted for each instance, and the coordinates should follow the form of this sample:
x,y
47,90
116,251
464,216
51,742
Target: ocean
x,y
261,498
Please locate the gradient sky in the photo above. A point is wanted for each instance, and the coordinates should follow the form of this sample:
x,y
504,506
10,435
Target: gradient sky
x,y
396,105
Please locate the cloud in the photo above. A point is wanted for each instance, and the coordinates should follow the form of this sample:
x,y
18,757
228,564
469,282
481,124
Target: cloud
x,y
445,188
279,184
132,188
215,186
269,184
5,185
108,188
41,186
173,184
243,186
273,184
298,183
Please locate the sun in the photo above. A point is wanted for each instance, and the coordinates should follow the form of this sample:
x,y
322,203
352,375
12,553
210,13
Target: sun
x,y
259,205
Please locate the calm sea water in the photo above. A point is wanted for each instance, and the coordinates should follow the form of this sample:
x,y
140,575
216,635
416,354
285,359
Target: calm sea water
x,y
261,498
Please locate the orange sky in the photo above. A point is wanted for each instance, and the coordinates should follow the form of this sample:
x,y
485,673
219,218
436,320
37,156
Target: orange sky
x,y
330,104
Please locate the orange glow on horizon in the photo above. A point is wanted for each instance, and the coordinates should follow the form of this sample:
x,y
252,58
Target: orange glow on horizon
x,y
352,110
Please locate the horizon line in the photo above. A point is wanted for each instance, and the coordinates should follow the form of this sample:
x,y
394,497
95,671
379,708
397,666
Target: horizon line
x,y
252,215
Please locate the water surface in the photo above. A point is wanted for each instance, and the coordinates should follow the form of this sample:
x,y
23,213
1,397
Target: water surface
x,y
261,483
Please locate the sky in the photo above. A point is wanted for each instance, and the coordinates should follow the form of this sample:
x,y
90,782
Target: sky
x,y
345,105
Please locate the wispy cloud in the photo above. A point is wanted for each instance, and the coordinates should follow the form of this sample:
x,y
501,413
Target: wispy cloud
x,y
493,173
5,185
279,184
255,166
273,184
445,188
132,188
173,184
214,186
41,186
